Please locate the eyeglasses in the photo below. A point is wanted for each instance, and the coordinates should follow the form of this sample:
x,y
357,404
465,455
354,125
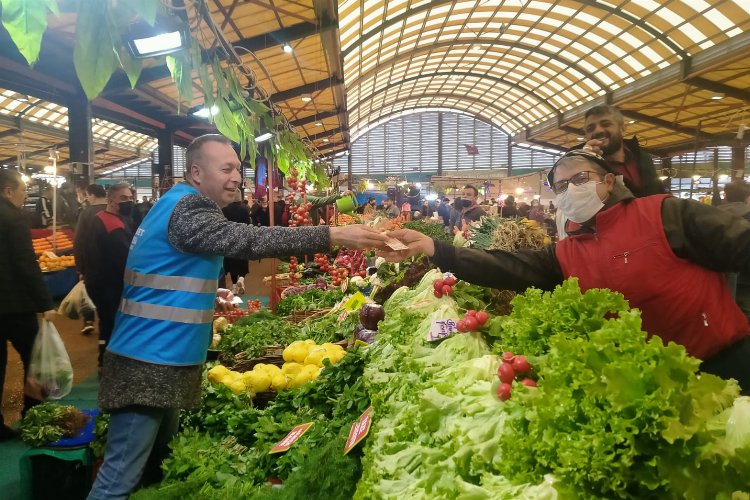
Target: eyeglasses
x,y
562,186
578,179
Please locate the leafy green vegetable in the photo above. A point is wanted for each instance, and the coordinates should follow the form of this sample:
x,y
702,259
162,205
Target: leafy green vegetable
x,y
254,335
48,422
329,329
101,427
309,301
615,415
434,230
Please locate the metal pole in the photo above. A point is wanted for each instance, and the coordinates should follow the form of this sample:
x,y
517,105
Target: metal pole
x,y
53,157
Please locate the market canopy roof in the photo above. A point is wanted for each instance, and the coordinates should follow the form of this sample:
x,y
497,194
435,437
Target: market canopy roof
x,y
529,67
533,67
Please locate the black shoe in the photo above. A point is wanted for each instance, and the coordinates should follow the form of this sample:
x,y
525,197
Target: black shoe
x,y
6,433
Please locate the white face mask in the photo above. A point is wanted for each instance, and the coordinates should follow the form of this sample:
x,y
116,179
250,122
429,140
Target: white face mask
x,y
579,203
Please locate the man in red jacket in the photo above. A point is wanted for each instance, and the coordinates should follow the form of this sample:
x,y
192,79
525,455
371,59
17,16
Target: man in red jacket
x,y
667,257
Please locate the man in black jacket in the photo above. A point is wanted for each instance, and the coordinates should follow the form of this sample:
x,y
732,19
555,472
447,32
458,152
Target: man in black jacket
x,y
604,127
23,292
105,254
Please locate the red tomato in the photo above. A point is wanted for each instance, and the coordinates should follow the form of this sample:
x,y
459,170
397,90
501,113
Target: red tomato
x,y
471,323
520,364
506,373
529,382
503,392
482,317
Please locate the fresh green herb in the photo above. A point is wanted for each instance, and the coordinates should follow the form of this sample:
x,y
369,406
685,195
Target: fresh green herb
x,y
101,426
48,422
253,336
309,301
434,230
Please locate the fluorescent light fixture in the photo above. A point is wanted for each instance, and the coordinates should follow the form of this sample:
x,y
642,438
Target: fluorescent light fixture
x,y
519,190
326,140
696,177
662,177
263,137
631,122
287,48
717,97
206,112
168,34
580,138
318,124
306,98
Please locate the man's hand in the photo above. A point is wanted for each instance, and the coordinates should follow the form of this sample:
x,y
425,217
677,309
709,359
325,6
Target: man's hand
x,y
416,241
49,315
357,236
594,145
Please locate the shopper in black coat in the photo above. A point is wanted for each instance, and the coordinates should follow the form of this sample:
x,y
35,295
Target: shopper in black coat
x,y
23,292
236,212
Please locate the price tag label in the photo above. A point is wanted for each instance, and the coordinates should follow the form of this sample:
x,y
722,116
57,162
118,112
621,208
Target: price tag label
x,y
291,438
441,328
359,430
355,302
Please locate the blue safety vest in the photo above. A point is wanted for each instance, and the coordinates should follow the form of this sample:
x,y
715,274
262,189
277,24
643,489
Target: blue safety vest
x,y
168,299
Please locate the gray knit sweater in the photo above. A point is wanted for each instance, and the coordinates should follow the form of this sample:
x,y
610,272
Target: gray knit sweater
x,y
197,226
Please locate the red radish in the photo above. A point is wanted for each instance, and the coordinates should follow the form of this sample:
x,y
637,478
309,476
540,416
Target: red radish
x,y
450,280
508,357
438,294
447,290
529,382
503,392
471,312
471,323
461,325
482,317
520,364
506,373
438,285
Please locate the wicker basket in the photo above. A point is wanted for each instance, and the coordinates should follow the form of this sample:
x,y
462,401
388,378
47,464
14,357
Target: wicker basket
x,y
300,316
282,280
241,363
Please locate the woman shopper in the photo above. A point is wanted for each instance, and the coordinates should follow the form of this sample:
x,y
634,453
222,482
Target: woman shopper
x,y
23,292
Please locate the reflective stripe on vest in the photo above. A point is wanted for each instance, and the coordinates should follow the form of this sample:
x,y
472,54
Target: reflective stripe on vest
x,y
166,313
161,282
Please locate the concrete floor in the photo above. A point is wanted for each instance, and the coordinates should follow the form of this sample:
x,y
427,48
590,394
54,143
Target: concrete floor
x,y
83,349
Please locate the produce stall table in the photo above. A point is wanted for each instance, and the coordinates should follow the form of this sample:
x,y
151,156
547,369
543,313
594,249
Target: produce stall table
x,y
61,282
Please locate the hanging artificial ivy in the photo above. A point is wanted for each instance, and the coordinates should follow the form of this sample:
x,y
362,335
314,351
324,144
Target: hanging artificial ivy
x,y
99,52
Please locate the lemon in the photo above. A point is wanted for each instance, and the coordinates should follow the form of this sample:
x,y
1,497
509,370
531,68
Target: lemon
x,y
272,370
217,373
237,386
278,381
257,381
315,357
291,369
311,372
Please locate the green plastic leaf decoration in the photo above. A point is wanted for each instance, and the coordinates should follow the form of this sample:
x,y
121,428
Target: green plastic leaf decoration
x,y
26,22
94,55
130,65
225,123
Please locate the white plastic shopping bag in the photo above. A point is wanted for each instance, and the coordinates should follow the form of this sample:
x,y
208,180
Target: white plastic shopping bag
x,y
71,303
50,373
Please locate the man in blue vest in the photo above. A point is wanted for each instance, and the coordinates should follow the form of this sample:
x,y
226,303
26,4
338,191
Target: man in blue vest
x,y
153,363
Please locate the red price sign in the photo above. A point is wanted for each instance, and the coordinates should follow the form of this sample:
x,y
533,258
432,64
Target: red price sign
x,y
291,438
359,430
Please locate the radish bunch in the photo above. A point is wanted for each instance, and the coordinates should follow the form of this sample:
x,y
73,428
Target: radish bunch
x,y
514,368
444,286
472,321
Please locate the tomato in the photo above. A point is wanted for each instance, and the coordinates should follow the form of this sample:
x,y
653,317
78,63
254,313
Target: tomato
x,y
503,392
450,280
506,373
482,317
520,364
529,382
438,285
471,323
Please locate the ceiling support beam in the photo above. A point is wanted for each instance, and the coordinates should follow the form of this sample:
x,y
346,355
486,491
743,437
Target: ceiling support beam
x,y
642,117
36,152
719,88
323,135
314,118
309,88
